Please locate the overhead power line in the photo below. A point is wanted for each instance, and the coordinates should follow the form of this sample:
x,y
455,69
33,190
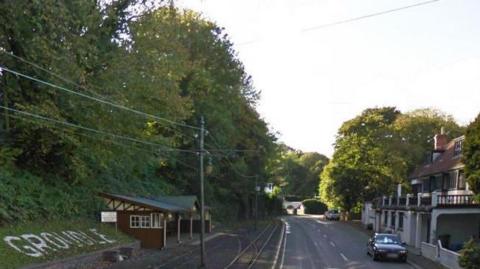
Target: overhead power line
x,y
96,99
368,16
66,80
229,162
117,143
69,124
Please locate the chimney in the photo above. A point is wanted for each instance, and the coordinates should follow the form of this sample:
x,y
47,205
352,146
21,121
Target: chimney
x,y
440,141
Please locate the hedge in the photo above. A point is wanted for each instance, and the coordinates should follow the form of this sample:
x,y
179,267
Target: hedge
x,y
314,206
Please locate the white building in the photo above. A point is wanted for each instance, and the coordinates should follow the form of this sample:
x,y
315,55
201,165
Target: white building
x,y
440,211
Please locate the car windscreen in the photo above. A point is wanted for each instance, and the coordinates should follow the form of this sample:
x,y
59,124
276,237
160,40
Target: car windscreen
x,y
387,239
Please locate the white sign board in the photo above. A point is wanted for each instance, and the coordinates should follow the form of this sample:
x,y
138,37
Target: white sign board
x,y
109,216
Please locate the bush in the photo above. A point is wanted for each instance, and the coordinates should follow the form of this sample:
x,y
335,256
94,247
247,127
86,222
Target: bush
x,y
313,206
470,255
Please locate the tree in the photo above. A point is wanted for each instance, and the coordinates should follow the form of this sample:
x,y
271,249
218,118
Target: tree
x,y
417,129
297,172
160,60
471,155
470,255
365,163
377,150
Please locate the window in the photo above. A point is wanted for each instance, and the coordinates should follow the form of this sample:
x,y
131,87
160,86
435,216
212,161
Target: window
x,y
156,220
452,180
457,149
400,221
435,183
446,181
426,185
385,218
387,239
461,180
139,221
392,222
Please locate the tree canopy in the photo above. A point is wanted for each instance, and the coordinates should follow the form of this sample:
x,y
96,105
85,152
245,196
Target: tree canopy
x,y
471,155
169,64
377,150
297,172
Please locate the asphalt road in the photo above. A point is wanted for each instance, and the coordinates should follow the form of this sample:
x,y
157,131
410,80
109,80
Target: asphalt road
x,y
315,243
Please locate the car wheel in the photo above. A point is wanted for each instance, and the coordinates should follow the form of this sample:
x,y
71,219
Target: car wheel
x,y
375,257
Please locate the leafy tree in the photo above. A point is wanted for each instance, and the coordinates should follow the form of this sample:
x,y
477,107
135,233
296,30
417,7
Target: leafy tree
x,y
297,172
160,60
314,206
417,129
377,150
471,155
470,255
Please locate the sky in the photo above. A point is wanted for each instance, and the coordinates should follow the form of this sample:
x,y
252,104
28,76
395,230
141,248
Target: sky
x,y
313,79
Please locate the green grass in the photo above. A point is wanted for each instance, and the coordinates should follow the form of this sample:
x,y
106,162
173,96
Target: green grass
x,y
10,258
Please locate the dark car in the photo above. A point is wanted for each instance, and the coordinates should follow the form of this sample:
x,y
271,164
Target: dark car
x,y
386,246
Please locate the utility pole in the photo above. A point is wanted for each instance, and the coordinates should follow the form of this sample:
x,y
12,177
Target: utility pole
x,y
256,201
202,199
5,104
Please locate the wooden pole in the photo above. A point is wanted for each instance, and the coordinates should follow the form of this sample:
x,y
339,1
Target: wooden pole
x,y
191,227
5,104
165,231
178,228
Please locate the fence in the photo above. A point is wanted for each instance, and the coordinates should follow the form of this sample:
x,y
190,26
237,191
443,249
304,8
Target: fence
x,y
440,254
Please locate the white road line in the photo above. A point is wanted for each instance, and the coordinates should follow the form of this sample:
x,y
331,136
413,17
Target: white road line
x,y
332,244
283,252
277,254
344,257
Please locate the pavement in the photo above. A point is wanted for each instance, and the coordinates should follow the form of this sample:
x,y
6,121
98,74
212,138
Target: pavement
x,y
312,242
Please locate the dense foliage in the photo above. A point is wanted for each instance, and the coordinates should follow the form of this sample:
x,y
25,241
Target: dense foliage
x,y
314,206
158,60
297,172
471,155
377,150
470,255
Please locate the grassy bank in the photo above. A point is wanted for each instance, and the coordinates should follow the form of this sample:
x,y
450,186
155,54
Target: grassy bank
x,y
63,239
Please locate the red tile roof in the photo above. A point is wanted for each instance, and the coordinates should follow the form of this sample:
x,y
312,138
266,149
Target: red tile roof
x,y
444,163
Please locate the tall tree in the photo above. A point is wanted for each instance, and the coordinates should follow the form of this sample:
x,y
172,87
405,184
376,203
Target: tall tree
x,y
377,150
471,155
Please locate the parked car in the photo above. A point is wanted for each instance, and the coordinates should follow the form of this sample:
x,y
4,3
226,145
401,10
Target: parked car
x,y
332,215
386,246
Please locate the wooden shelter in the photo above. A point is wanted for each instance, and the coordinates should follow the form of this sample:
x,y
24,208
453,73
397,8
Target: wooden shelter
x,y
151,219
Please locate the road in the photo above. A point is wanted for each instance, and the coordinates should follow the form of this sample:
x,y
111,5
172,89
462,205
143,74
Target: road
x,y
315,243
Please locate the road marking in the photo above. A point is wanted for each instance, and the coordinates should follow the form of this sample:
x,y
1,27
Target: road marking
x,y
324,222
325,236
287,226
344,257
332,244
279,245
283,252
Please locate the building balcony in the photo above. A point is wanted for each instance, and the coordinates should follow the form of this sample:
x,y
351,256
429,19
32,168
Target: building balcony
x,y
425,201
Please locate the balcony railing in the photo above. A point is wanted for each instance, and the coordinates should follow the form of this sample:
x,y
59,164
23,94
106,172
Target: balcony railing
x,y
456,200
412,200
432,200
426,201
